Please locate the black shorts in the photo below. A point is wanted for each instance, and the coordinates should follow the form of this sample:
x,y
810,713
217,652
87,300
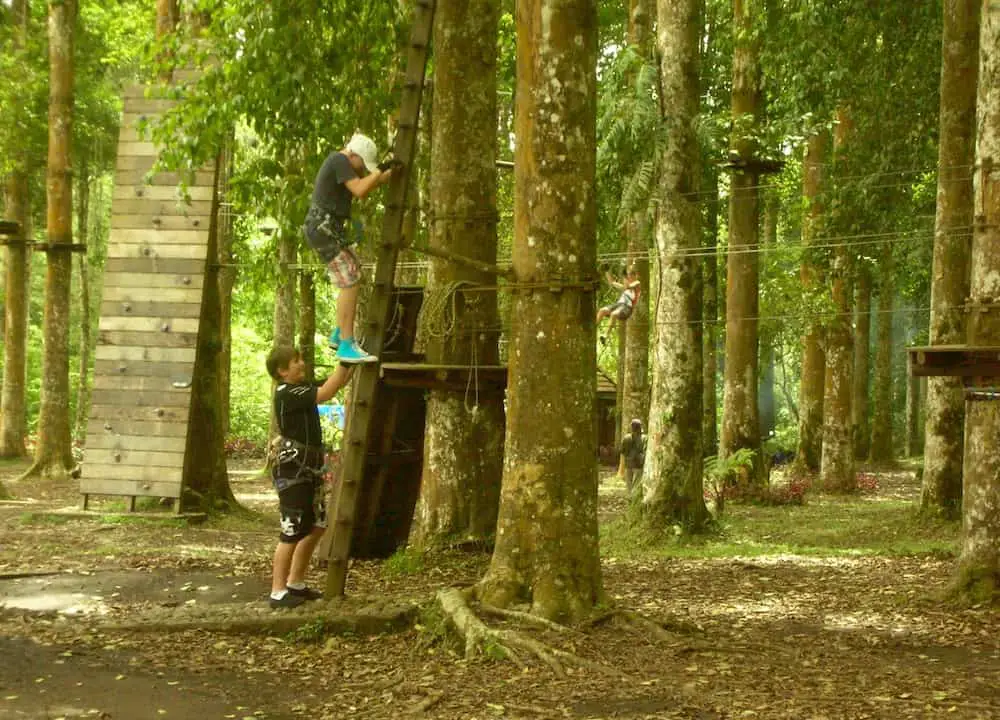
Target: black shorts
x,y
325,233
302,508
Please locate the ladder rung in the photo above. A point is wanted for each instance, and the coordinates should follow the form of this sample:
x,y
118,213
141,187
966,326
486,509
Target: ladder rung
x,y
418,45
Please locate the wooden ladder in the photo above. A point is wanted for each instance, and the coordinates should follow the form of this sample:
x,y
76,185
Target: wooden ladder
x,y
379,312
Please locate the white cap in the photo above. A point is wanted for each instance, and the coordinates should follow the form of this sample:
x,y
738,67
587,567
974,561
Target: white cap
x,y
364,147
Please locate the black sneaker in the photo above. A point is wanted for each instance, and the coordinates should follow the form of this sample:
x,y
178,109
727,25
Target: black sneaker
x,y
306,593
288,600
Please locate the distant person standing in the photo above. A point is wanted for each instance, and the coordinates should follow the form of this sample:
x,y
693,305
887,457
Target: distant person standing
x,y
346,174
633,454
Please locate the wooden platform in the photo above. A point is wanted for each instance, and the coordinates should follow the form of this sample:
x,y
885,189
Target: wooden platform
x,y
150,315
955,361
489,378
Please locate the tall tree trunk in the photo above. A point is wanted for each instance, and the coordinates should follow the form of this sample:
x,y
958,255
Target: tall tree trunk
x,y
672,484
463,442
710,277
206,481
941,493
13,427
914,438
83,230
860,427
54,455
307,321
740,419
881,445
284,299
837,459
635,386
811,387
546,550
979,563
765,399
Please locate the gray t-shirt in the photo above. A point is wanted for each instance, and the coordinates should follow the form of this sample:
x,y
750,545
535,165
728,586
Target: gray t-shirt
x,y
330,193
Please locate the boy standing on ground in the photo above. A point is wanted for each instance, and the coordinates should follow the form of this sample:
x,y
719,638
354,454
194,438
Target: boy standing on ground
x,y
633,455
297,472
346,174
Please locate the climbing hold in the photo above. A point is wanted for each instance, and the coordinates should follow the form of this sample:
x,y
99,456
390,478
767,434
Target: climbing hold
x,y
159,412
186,280
122,369
146,251
107,426
127,308
139,192
118,457
165,327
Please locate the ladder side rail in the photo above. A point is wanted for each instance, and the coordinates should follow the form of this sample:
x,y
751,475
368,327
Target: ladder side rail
x,y
367,376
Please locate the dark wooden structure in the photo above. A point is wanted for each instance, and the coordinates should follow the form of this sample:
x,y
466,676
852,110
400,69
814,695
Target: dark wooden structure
x,y
150,313
979,367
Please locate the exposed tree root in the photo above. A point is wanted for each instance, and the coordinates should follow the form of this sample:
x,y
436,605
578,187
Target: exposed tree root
x,y
480,638
524,617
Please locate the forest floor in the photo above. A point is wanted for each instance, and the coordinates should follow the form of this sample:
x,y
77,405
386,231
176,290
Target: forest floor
x,y
831,609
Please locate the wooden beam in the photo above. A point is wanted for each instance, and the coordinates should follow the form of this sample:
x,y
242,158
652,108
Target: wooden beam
x,y
458,259
954,361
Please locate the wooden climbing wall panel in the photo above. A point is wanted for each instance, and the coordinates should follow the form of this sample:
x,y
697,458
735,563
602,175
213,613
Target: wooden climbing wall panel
x,y
150,313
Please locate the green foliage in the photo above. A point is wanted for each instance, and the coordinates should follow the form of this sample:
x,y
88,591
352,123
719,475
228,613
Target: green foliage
x,y
309,633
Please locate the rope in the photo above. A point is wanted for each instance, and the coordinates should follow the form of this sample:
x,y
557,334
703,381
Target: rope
x,y
439,314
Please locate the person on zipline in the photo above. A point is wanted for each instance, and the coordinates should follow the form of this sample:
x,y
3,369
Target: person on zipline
x,y
621,309
346,174
297,471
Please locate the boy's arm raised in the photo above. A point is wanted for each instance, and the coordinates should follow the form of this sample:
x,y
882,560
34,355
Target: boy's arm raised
x,y
338,379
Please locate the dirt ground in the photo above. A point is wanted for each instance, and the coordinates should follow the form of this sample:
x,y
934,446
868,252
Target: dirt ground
x,y
781,636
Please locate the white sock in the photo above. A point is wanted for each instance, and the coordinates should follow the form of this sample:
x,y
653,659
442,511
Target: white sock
x,y
278,594
297,586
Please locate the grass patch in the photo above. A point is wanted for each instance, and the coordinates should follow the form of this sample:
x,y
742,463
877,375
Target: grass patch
x,y
166,521
824,526
408,561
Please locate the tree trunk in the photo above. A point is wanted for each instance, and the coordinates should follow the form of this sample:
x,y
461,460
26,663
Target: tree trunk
x,y
861,427
811,387
941,493
979,563
635,386
307,321
672,484
13,427
227,278
206,481
284,299
881,446
765,400
837,459
710,277
83,230
740,419
547,542
914,438
463,441
54,455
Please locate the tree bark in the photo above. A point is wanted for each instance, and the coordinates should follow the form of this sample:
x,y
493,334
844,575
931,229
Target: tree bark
x,y
941,493
710,278
284,299
765,396
54,455
463,441
672,484
635,386
811,387
307,321
881,450
206,481
547,542
83,230
861,427
979,563
740,419
913,435
13,426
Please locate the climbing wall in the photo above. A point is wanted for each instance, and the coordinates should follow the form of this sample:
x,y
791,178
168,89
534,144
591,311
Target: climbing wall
x,y
150,311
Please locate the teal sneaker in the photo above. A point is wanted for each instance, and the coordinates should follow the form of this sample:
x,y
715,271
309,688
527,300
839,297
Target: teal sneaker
x,y
353,354
335,339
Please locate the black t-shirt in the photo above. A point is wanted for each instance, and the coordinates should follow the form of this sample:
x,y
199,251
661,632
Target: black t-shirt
x,y
330,193
298,419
